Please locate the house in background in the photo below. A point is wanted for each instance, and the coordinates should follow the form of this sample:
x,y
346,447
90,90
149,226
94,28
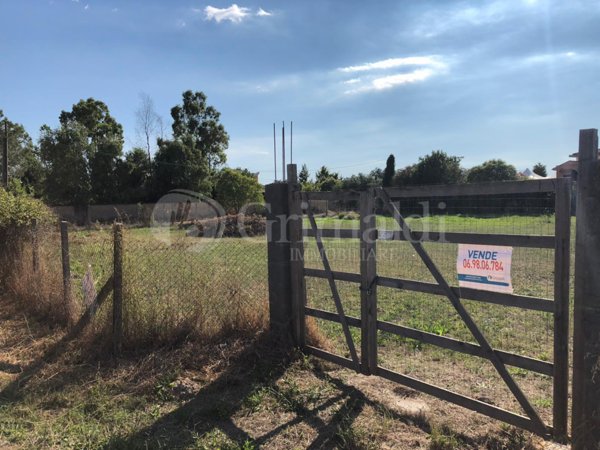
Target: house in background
x,y
568,168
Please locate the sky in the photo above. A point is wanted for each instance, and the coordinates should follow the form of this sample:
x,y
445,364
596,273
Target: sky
x,y
360,80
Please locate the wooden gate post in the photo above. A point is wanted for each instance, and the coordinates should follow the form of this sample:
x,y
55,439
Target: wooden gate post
x,y
117,336
278,250
586,337
368,288
562,257
66,270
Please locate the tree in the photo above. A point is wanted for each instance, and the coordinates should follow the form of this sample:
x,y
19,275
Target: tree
x,y
132,176
234,188
148,122
437,168
540,169
24,162
325,180
190,160
492,170
390,170
176,166
105,136
404,177
304,175
197,124
64,153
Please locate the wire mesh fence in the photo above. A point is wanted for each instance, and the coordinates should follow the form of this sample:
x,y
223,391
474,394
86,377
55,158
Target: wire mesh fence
x,y
175,285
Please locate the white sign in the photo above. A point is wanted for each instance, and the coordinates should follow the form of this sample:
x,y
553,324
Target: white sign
x,y
485,267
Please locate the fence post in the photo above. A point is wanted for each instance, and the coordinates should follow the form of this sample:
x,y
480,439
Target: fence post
x,y
368,289
35,250
296,257
562,263
66,269
586,336
278,250
117,336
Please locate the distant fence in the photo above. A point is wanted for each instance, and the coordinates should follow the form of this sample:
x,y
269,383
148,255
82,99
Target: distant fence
x,y
138,213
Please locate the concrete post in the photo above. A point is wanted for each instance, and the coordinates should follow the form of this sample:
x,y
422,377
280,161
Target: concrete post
x,y
278,249
586,337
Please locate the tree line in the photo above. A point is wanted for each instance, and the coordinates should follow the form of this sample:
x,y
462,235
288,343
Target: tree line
x,y
435,168
81,161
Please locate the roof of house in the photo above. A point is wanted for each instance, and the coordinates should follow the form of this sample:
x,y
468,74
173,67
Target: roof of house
x,y
567,165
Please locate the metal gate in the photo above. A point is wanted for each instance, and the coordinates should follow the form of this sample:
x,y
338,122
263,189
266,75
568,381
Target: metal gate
x,y
368,281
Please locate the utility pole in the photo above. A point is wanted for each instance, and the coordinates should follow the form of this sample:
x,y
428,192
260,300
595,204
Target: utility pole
x,y
5,156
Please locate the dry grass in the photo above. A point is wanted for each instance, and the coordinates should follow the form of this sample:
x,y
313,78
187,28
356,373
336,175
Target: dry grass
x,y
238,394
173,291
39,291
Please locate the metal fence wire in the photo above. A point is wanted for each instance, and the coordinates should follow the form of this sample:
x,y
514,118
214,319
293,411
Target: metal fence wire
x,y
176,285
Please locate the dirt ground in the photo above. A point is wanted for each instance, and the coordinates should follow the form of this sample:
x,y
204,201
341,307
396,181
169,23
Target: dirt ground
x,y
237,393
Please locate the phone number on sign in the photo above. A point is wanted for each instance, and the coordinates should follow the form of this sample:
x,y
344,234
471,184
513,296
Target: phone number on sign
x,y
483,264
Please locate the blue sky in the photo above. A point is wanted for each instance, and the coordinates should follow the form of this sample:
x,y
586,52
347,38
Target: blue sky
x,y
514,79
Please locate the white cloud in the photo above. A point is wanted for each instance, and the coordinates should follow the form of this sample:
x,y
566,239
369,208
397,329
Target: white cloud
x,y
401,78
352,81
234,13
376,75
86,7
262,13
392,63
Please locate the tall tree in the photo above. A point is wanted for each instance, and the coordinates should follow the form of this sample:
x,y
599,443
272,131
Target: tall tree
x,y
148,122
540,169
64,153
390,170
105,136
438,168
190,160
24,163
197,124
492,170
304,175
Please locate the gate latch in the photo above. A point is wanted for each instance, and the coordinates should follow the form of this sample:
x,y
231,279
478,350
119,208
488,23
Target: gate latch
x,y
369,289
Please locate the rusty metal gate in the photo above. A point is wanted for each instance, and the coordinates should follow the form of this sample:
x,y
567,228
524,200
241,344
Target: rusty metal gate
x,y
368,280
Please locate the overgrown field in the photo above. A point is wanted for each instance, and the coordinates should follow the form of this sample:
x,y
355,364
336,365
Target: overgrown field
x,y
178,287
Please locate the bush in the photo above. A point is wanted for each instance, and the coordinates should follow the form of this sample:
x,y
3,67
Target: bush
x,y
18,209
253,225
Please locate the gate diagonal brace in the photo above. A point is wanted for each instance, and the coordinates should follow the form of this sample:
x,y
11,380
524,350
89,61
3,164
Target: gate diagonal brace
x,y
460,309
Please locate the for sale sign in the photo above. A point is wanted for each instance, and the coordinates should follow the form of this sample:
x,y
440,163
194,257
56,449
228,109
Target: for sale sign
x,y
484,267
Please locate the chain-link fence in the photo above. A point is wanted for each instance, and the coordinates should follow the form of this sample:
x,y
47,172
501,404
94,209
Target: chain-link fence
x,y
176,284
